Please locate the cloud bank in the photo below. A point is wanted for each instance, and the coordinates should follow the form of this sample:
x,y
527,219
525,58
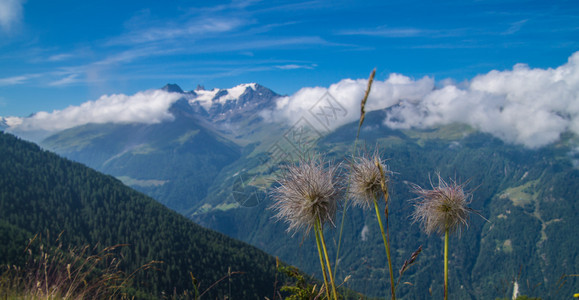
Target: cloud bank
x,y
10,13
524,106
144,107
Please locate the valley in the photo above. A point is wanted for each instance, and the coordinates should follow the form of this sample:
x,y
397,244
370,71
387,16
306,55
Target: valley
x,y
206,161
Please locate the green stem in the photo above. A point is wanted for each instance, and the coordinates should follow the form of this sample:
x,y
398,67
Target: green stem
x,y
446,264
362,115
387,246
322,262
343,219
327,259
340,236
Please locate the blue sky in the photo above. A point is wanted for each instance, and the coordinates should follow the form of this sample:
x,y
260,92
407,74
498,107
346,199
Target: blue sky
x,y
59,53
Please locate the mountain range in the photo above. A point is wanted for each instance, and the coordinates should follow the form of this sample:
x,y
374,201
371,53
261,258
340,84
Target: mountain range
x,y
216,159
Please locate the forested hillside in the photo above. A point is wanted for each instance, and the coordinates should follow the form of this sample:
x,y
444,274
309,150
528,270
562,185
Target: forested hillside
x,y
528,197
173,162
41,192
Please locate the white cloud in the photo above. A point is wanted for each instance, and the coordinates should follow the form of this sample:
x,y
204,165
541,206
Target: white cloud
x,y
10,13
60,57
515,27
348,93
14,80
194,29
408,32
525,106
72,78
386,32
144,107
295,67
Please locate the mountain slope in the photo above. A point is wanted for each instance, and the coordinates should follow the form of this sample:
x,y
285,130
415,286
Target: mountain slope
x,y
41,192
172,161
528,196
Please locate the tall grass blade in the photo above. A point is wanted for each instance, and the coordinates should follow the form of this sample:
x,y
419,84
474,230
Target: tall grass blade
x,y
363,104
362,117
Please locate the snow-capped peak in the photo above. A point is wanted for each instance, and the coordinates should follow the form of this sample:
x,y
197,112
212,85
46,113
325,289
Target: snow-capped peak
x,y
236,92
206,98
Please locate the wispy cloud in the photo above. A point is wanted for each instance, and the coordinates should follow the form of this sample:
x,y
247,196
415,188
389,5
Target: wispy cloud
x,y
386,32
295,67
72,78
407,32
60,57
195,29
233,5
14,80
208,30
515,27
10,13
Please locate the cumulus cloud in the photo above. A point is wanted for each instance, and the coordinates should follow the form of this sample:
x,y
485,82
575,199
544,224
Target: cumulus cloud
x,y
345,96
10,13
144,107
524,106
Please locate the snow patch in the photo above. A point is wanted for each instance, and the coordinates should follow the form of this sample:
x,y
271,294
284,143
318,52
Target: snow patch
x,y
207,98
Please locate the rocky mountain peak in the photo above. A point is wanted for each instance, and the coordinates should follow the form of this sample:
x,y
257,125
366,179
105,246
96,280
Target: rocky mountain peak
x,y
172,88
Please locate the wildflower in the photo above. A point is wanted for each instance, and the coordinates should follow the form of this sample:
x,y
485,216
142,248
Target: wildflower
x,y
307,198
365,180
368,178
443,210
307,192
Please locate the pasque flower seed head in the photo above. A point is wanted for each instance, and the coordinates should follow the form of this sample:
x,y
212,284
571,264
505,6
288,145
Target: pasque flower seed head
x,y
442,208
365,180
307,191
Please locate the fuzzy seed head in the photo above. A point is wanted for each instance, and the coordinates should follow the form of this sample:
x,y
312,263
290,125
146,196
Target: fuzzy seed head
x,y
365,180
441,208
307,191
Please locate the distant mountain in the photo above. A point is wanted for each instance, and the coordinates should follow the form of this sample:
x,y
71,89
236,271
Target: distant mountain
x,y
3,124
174,161
233,112
41,192
529,196
172,88
227,105
231,104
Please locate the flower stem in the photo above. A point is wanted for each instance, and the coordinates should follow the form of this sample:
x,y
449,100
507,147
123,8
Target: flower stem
x,y
322,262
323,242
362,116
386,246
446,264
343,219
